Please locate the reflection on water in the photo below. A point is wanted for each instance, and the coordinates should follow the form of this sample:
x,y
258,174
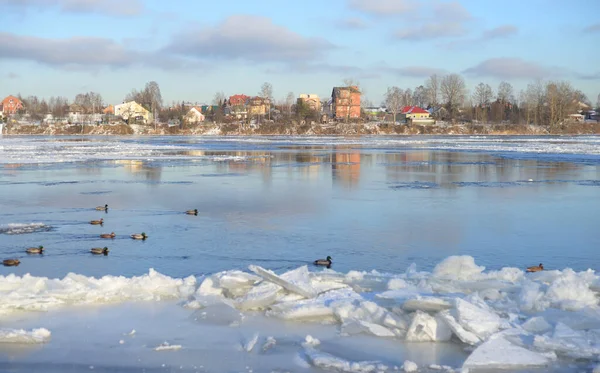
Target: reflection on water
x,y
285,205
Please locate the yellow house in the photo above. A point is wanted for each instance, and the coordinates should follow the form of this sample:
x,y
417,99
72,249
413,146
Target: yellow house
x,y
133,110
415,113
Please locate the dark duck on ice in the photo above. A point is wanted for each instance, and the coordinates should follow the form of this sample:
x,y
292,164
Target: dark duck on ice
x,y
535,268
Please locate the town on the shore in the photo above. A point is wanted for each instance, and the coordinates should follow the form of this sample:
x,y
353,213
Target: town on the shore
x,y
441,102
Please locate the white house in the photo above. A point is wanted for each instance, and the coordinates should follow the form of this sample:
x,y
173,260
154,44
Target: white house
x,y
133,110
194,116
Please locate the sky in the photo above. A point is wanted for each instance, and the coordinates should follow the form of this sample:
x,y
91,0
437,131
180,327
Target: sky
x,y
195,48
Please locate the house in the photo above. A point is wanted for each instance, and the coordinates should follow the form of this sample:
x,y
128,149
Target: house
x,y
133,110
415,113
194,116
11,104
258,105
345,102
311,100
576,117
237,104
109,110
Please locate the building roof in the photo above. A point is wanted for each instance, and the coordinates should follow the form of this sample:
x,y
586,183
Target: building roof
x,y
413,110
238,99
336,90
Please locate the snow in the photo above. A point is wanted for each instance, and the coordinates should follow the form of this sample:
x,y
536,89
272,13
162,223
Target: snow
x,y
40,335
426,328
409,366
165,346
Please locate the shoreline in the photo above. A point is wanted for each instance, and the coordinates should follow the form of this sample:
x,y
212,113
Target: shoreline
x,y
340,129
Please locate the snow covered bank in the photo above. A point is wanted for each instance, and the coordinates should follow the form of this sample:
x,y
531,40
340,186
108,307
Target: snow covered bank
x,y
40,335
512,319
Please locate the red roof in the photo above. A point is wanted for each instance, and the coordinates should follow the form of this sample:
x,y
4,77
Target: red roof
x,y
238,100
413,110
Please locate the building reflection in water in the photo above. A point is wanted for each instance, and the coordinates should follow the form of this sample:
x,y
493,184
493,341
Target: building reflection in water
x,y
143,169
345,166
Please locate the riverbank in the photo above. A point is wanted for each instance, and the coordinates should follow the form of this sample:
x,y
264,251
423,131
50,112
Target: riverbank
x,y
342,129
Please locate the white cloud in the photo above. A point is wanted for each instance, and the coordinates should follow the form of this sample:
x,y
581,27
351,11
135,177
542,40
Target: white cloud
x,y
500,32
247,37
352,24
107,7
512,68
383,7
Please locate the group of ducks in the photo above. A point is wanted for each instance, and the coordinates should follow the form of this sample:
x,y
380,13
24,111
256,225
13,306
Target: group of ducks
x,y
95,250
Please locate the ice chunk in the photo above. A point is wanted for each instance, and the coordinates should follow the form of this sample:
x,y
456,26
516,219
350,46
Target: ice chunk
x,y
567,342
319,308
427,304
458,268
309,340
397,283
361,326
259,297
250,343
464,335
425,328
536,325
165,346
269,343
327,361
40,335
409,366
296,281
479,321
530,297
571,291
498,353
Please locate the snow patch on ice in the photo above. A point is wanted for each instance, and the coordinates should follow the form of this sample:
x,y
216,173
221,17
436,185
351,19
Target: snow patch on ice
x,y
40,335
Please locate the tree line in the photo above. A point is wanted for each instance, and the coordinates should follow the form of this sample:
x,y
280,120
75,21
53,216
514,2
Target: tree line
x,y
542,103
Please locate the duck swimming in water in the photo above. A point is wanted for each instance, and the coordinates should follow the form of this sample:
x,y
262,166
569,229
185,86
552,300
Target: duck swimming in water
x,y
35,250
535,268
97,222
11,262
99,250
102,208
192,212
108,235
323,262
137,236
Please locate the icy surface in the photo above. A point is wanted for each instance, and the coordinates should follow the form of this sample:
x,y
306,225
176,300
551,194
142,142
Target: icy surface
x,y
512,320
40,335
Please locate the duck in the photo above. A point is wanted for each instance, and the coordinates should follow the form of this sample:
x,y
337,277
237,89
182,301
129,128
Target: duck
x,y
11,262
535,268
108,235
192,212
35,250
99,250
97,222
102,208
323,262
138,236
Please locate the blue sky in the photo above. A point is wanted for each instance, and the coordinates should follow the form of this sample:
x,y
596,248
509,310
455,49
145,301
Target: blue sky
x,y
196,48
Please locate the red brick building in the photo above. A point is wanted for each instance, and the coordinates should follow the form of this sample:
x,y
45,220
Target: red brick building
x,y
10,105
345,102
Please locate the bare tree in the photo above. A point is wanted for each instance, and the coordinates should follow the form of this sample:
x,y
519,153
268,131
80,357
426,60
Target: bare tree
x,y
420,96
482,98
353,87
560,102
432,85
289,102
393,100
453,92
219,98
150,98
505,92
266,92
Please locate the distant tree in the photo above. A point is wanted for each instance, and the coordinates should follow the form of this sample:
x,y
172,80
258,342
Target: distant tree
x,y
218,98
598,102
420,96
432,85
482,98
266,91
393,101
289,102
453,92
505,93
353,87
150,98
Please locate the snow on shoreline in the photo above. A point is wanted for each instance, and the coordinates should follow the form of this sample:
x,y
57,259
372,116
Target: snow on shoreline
x,y
511,318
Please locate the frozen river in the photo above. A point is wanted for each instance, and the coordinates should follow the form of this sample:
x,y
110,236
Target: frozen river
x,y
426,233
